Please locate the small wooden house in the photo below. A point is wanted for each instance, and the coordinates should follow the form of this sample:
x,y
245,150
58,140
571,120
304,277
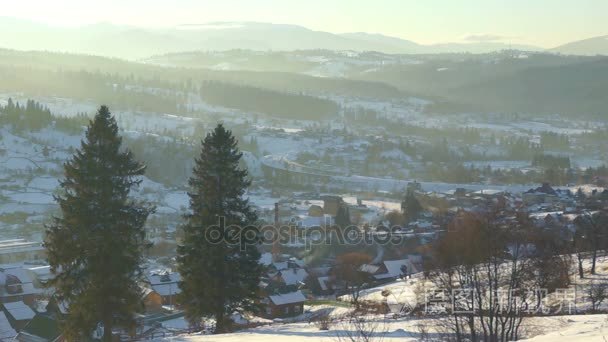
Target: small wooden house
x,y
153,302
42,328
285,304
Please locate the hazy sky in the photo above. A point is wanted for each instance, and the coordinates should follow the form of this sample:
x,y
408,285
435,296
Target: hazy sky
x,y
545,23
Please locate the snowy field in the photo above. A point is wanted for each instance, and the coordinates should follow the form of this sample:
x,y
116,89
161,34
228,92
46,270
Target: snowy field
x,y
582,328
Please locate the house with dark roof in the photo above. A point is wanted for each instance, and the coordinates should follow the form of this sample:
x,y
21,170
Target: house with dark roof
x,y
280,305
6,330
18,314
542,194
42,328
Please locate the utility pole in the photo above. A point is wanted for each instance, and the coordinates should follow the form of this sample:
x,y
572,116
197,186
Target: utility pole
x,y
275,244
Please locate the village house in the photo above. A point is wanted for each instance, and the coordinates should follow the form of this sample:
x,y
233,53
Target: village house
x,y
16,284
42,328
284,304
543,194
165,284
393,269
18,314
153,302
331,204
6,330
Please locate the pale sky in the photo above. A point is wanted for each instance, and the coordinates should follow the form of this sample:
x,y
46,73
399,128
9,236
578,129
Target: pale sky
x,y
546,23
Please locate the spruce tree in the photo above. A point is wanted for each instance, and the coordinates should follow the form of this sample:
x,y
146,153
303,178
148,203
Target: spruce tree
x,y
219,275
343,217
95,248
410,205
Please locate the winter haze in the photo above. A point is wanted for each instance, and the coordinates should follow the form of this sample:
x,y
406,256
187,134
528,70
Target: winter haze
x,y
303,171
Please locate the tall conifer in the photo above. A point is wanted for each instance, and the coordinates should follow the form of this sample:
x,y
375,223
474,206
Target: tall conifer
x,y
219,266
95,248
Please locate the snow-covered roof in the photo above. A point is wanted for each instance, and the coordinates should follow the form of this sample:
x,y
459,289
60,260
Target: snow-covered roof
x,y
19,311
324,283
294,276
6,330
164,278
280,265
367,268
167,289
41,272
393,267
287,298
266,259
422,224
315,221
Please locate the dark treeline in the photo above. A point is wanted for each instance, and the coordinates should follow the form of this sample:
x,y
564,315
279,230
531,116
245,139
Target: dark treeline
x,y
459,173
86,86
151,75
140,94
552,140
371,117
292,106
33,116
551,161
540,83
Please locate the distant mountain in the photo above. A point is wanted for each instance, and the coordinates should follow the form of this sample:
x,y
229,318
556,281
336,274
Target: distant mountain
x,y
406,46
111,40
590,47
479,47
391,44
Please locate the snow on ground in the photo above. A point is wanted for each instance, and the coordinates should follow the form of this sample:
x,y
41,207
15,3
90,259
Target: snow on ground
x,y
570,328
544,329
397,330
43,183
499,164
31,197
587,328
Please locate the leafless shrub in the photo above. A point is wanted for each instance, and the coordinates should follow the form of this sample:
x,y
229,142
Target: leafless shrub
x,y
361,329
597,293
422,329
323,321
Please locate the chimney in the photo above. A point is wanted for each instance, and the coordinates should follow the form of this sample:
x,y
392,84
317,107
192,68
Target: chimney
x,y
275,243
276,214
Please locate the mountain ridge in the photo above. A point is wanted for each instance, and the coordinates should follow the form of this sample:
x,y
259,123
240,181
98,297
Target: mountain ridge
x,y
590,46
130,42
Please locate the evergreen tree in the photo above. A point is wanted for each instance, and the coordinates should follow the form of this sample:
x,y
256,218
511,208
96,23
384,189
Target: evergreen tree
x,y
219,275
96,247
410,205
343,217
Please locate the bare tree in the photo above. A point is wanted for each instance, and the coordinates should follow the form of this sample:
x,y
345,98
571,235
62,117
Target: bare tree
x,y
323,321
597,293
590,236
480,266
361,329
349,275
